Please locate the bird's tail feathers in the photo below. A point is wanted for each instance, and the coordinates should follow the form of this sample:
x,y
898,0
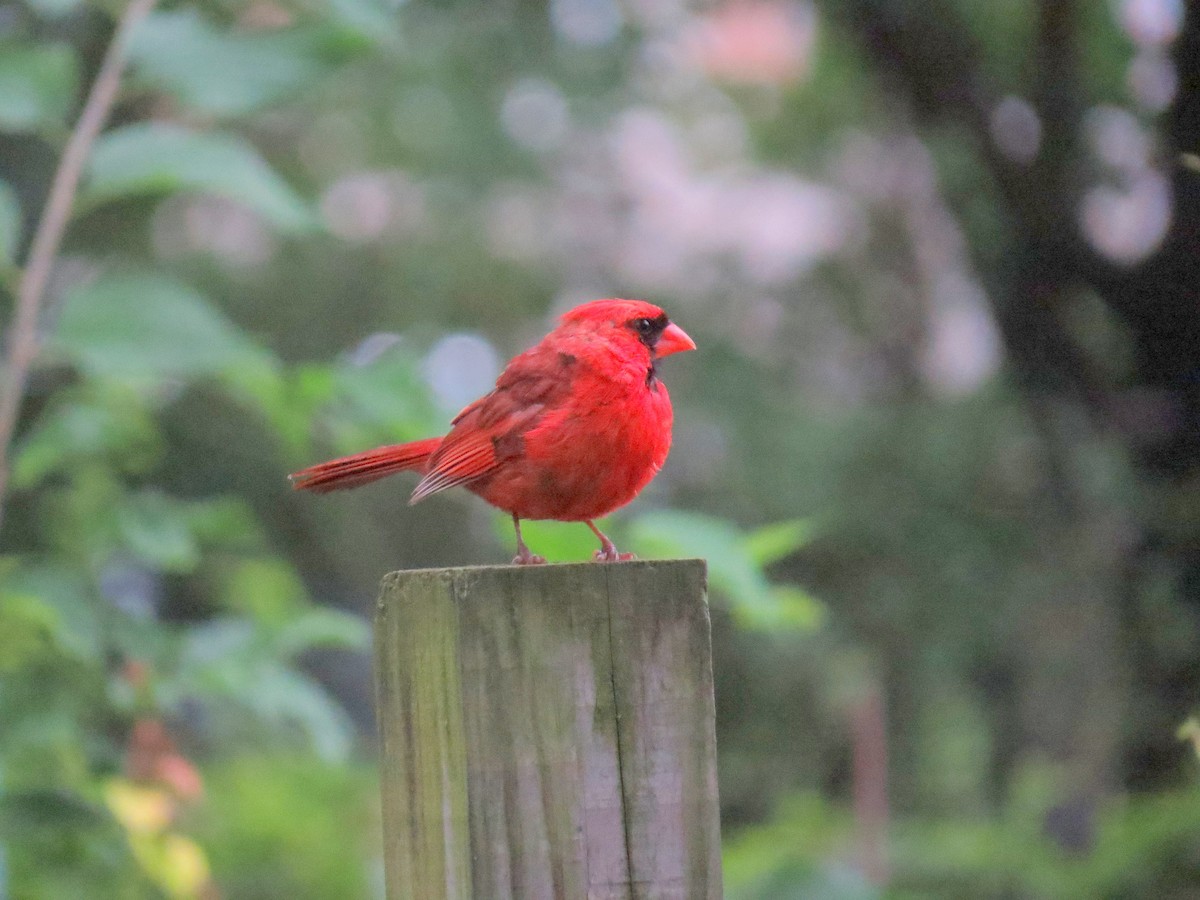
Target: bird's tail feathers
x,y
363,468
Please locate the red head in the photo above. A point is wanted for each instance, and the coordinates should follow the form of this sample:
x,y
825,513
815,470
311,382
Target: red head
x,y
637,318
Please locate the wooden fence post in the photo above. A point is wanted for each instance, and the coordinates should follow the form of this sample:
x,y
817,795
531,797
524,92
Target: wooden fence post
x,y
547,732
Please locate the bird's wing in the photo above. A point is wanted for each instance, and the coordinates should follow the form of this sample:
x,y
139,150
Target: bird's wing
x,y
491,430
471,455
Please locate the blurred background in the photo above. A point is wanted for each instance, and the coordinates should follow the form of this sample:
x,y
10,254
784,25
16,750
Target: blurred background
x,y
940,444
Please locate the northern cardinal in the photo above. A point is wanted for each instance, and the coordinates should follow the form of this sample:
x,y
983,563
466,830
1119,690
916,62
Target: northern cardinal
x,y
575,427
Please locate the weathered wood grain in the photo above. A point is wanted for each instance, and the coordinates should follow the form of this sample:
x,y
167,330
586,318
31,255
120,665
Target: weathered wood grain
x,y
662,680
426,839
547,732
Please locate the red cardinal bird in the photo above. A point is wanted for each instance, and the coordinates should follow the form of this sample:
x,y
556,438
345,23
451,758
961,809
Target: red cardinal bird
x,y
575,427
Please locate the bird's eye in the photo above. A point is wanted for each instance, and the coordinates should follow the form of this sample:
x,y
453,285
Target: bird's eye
x,y
647,329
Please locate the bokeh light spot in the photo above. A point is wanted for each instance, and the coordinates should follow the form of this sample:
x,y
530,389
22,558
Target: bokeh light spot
x,y
460,368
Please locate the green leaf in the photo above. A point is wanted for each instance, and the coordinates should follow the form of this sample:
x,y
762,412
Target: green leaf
x,y
795,608
148,159
71,431
47,810
384,400
155,529
286,697
28,627
732,569
290,400
321,627
794,854
10,224
1189,731
146,326
37,86
373,19
208,645
268,590
776,541
227,660
76,624
231,74
225,522
271,592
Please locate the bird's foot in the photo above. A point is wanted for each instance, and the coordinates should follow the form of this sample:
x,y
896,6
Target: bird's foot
x,y
525,558
608,550
610,554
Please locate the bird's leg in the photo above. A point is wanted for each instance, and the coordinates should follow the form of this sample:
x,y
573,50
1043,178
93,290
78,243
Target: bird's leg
x,y
608,550
524,557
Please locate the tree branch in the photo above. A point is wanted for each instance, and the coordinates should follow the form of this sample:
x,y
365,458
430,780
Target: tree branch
x,y
22,336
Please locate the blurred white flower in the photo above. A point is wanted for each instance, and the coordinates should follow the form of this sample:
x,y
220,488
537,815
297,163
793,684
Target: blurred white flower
x,y
1128,224
1016,129
665,73
781,225
963,347
235,236
365,206
1118,139
1152,79
357,207
774,225
1126,220
534,114
588,23
1153,23
720,137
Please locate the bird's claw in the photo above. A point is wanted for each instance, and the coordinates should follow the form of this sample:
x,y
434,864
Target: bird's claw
x,y
610,554
528,559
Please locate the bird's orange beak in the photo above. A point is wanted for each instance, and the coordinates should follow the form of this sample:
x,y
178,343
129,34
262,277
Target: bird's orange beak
x,y
673,340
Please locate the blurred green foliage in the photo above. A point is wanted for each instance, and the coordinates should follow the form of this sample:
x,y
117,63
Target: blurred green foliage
x,y
38,85
291,826
808,849
298,208
91,642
